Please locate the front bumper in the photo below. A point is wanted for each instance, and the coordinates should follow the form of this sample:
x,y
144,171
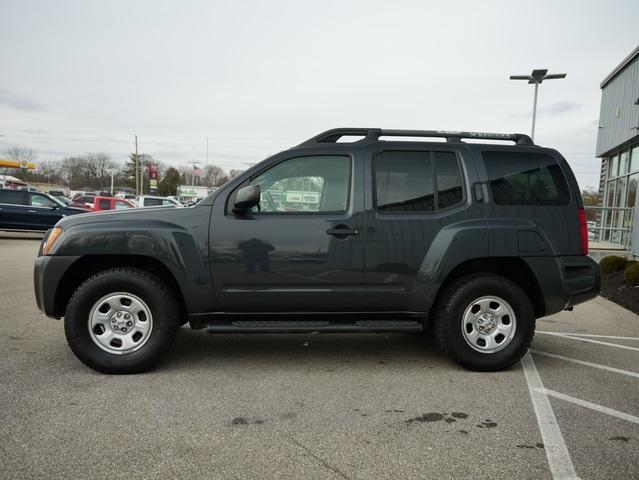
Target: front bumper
x,y
48,273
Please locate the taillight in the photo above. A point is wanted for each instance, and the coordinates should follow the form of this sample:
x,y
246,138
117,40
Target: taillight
x,y
583,227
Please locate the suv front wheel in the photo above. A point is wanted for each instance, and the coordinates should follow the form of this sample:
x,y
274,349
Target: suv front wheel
x,y
484,322
121,320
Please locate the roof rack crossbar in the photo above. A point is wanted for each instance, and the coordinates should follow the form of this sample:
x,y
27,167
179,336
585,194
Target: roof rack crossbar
x,y
370,135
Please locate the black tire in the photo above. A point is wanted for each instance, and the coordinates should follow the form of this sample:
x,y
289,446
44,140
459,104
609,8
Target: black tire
x,y
147,287
450,310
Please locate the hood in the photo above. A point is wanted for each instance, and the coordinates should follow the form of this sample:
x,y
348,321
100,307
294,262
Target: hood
x,y
133,217
70,209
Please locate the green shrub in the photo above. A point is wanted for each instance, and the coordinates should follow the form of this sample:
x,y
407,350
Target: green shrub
x,y
631,274
612,263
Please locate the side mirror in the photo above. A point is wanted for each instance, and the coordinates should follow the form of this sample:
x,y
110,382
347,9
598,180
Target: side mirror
x,y
246,198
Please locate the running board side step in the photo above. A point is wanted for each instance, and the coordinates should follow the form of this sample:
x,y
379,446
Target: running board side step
x,y
315,326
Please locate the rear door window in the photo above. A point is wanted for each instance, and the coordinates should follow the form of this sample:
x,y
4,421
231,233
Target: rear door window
x,y
417,181
449,180
523,178
13,197
104,204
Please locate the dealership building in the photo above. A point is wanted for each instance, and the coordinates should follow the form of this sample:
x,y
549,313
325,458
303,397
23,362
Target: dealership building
x,y
618,148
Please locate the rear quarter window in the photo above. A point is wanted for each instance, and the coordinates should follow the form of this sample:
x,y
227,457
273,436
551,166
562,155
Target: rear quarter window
x,y
524,178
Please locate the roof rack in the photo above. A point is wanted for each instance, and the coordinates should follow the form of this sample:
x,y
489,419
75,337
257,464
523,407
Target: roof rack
x,y
372,135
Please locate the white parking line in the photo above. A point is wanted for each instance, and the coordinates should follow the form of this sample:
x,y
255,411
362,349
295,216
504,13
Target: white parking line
x,y
571,334
589,340
559,461
590,405
587,364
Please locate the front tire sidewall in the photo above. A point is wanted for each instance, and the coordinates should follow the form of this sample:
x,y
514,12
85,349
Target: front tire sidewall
x,y
149,289
451,320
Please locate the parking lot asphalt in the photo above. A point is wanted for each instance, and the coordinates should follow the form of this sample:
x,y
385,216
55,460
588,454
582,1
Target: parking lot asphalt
x,y
316,406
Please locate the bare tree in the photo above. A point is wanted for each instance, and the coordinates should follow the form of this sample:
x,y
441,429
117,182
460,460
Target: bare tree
x,y
214,175
20,154
48,171
91,171
97,168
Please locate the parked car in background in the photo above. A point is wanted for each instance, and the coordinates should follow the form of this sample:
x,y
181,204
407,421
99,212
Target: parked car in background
x,y
111,203
127,196
9,181
177,199
155,201
194,201
31,211
83,201
83,194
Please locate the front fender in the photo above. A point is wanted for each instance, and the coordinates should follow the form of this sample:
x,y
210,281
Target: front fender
x,y
176,247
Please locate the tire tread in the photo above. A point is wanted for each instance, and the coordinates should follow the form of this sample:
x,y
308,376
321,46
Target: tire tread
x,y
445,304
170,307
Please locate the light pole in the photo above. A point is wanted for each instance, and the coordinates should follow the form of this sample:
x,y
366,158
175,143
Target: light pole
x,y
536,77
112,172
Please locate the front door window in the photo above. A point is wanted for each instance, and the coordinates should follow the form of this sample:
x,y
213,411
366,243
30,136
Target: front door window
x,y
314,184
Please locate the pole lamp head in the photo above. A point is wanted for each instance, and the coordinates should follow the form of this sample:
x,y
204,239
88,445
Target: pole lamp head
x,y
537,76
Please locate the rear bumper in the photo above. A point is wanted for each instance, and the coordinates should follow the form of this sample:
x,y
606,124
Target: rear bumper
x,y
565,281
582,279
47,275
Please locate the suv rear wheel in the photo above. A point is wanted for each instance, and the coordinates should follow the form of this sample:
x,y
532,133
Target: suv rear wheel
x,y
121,320
484,322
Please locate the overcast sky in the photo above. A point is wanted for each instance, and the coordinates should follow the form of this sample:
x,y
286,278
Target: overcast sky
x,y
258,77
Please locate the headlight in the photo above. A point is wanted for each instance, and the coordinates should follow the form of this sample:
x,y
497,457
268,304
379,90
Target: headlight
x,y
50,241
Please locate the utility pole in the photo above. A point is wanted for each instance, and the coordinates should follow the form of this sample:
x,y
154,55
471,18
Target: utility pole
x,y
137,180
207,152
536,77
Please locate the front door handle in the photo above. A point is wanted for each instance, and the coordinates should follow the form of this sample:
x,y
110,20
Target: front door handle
x,y
342,231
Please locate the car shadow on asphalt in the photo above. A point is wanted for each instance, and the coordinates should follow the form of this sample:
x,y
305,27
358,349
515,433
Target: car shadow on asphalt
x,y
197,348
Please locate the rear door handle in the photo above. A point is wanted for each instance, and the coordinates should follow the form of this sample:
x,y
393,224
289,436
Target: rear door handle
x,y
342,231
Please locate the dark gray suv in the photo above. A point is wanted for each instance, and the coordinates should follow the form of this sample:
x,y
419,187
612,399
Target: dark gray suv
x,y
354,230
